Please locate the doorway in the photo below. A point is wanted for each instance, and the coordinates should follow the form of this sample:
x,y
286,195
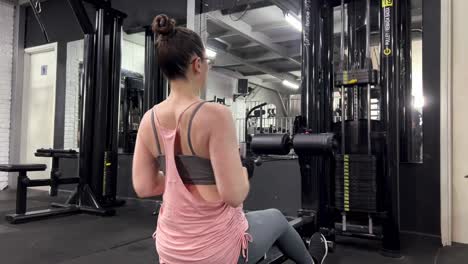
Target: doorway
x,y
38,105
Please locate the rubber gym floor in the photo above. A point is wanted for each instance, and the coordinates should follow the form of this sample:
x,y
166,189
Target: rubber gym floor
x,y
126,238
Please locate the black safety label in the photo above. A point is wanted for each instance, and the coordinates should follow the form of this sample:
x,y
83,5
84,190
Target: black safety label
x,y
387,7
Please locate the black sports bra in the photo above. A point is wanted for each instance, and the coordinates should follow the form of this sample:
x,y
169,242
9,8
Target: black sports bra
x,y
192,169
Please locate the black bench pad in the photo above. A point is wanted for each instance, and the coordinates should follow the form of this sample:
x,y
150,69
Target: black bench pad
x,y
22,167
57,153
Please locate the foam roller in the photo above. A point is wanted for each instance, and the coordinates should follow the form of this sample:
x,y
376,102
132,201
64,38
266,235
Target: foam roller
x,y
271,144
314,144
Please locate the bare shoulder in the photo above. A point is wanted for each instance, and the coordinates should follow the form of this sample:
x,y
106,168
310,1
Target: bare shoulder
x,y
145,127
146,119
213,112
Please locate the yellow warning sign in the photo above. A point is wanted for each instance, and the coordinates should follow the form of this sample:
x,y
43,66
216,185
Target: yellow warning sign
x,y
386,3
387,52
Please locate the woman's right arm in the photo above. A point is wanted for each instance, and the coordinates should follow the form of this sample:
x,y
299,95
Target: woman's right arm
x,y
147,180
231,178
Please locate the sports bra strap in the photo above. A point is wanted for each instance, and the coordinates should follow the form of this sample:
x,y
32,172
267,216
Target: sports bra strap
x,y
189,130
155,132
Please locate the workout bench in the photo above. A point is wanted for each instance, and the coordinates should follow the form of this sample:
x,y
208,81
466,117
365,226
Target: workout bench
x,y
55,180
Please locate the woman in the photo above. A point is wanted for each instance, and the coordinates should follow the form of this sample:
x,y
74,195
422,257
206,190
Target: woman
x,y
187,150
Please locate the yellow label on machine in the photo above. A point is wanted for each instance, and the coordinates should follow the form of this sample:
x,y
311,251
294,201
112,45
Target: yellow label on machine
x,y
346,182
353,81
386,3
387,51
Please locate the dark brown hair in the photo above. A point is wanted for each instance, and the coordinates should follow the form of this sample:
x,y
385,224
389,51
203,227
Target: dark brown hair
x,y
175,47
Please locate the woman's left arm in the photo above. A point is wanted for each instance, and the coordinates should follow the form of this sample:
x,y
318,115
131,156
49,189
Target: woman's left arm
x,y
147,179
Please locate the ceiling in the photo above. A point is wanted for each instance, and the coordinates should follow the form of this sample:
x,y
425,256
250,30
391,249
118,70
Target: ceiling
x,y
256,43
140,13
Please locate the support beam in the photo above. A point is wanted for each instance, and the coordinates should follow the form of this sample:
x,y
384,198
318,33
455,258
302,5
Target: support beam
x,y
271,80
225,34
265,57
81,15
287,6
257,81
24,2
285,38
191,14
257,66
249,6
282,71
270,26
246,31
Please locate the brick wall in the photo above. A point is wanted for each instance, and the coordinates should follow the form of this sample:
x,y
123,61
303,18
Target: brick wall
x,y
74,57
7,10
133,57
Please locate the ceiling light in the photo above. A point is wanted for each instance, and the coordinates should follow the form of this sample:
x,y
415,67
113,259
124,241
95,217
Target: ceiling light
x,y
211,54
294,21
290,84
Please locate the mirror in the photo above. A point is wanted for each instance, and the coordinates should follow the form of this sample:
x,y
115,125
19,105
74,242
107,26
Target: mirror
x,y
131,90
258,44
413,99
131,93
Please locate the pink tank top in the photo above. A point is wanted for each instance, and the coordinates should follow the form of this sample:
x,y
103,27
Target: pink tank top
x,y
190,230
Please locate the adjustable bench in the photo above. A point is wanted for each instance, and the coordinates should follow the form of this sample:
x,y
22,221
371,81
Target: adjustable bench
x,y
55,180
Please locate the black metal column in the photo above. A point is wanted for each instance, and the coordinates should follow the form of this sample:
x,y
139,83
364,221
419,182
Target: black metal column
x,y
54,176
87,121
310,62
100,107
327,66
155,91
390,114
21,193
111,157
150,48
327,181
312,107
405,87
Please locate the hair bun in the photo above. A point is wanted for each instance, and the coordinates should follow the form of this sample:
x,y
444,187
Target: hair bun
x,y
163,25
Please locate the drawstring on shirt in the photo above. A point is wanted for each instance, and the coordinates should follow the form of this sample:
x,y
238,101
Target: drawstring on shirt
x,y
246,238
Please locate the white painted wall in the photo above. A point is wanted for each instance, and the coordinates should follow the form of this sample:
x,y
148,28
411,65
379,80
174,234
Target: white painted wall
x,y
460,122
220,85
7,11
223,86
269,96
295,105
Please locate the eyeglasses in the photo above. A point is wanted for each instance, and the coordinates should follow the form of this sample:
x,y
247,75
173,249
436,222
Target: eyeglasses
x,y
208,61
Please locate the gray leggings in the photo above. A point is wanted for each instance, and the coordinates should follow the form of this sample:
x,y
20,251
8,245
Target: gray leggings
x,y
270,227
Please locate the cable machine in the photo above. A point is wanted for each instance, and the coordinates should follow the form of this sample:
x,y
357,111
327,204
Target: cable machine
x,y
98,157
355,193
348,137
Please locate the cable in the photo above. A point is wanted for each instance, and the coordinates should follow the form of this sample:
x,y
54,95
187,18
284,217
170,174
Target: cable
x,y
247,7
37,9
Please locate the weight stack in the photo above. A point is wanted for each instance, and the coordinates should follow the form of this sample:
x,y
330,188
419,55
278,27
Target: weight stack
x,y
356,183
